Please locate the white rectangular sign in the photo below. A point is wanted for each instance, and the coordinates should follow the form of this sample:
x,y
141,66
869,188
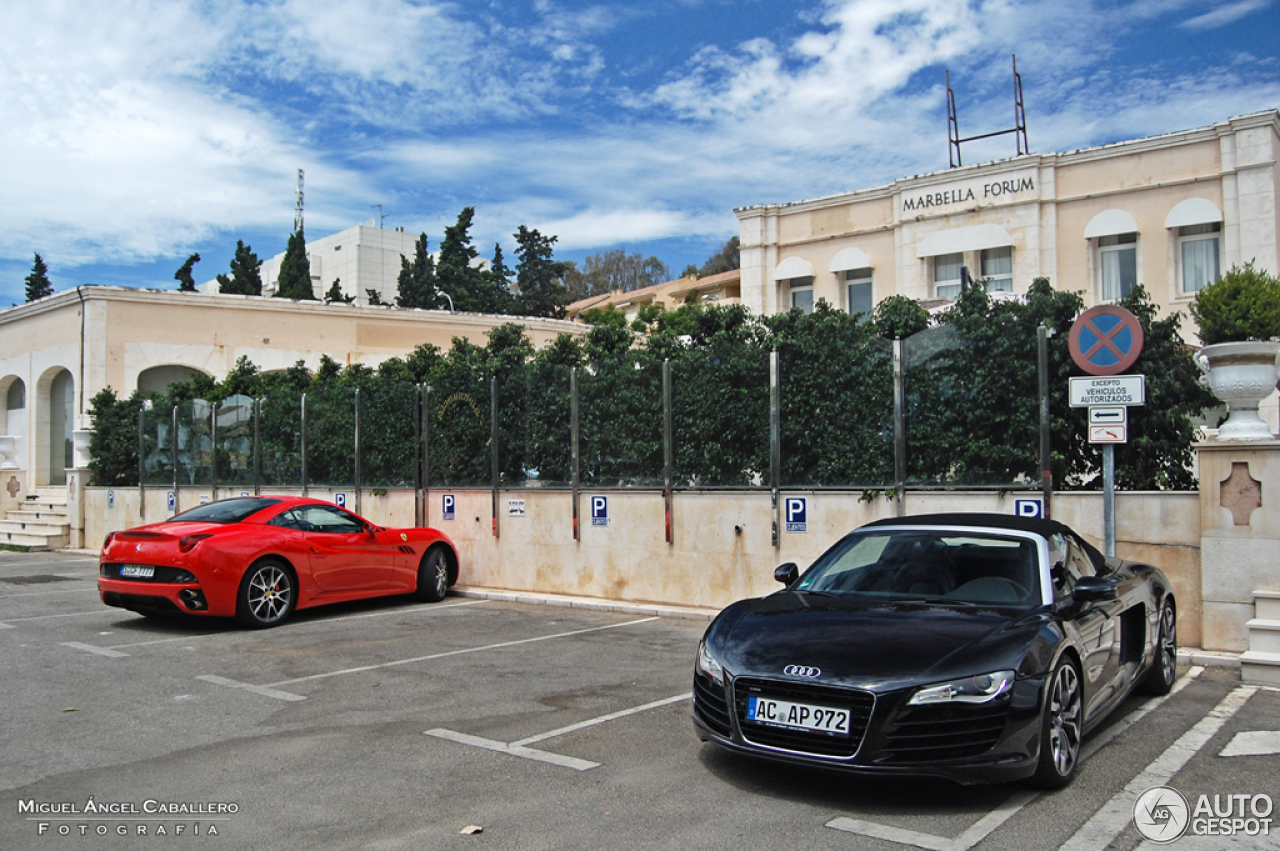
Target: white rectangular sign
x,y
1108,434
1111,390
1118,415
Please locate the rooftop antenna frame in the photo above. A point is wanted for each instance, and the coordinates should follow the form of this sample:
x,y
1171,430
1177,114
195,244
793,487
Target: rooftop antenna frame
x,y
297,215
1019,130
382,217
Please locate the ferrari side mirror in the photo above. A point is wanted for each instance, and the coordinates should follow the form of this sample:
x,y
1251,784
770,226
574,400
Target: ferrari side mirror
x,y
786,573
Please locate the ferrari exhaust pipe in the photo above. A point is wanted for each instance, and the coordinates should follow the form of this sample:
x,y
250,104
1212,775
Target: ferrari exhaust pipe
x,y
193,599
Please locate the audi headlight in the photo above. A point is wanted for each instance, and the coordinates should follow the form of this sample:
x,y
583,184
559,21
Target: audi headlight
x,y
707,664
979,689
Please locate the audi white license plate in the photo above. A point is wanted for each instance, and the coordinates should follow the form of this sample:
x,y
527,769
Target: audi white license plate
x,y
138,571
798,716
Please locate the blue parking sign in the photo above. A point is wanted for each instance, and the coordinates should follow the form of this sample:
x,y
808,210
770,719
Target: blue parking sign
x,y
173,500
599,511
111,499
797,511
1028,508
448,506
340,500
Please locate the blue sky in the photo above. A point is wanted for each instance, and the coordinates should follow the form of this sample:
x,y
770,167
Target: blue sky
x,y
135,132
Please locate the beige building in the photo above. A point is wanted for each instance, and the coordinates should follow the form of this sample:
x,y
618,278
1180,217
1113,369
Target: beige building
x,y
1171,212
56,353
722,288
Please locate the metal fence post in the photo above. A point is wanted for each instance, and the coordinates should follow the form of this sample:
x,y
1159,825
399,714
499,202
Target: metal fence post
x,y
357,448
142,463
775,440
257,446
899,429
576,458
302,447
1046,467
213,447
426,454
173,454
668,449
419,481
493,449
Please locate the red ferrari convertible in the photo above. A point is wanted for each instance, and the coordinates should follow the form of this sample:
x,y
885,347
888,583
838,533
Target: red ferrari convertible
x,y
259,558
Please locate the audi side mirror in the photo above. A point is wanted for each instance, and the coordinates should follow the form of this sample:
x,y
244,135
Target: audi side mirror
x,y
1090,589
786,573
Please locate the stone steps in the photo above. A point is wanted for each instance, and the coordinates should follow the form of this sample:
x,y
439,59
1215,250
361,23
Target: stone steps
x,y
40,524
1261,662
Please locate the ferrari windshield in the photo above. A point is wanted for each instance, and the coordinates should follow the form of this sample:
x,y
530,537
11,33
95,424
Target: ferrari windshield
x,y
964,567
224,510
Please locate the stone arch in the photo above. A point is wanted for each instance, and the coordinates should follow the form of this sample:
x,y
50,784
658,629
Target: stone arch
x,y
55,408
13,416
156,379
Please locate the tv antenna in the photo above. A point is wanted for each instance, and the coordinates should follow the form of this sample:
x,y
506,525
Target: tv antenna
x,y
297,215
1019,130
382,217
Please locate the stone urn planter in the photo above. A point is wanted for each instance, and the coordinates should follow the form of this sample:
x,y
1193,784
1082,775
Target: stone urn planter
x,y
8,452
1241,374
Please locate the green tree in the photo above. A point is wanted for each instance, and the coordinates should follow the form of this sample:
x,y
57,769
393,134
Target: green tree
x,y
335,294
899,316
295,271
113,446
539,277
186,283
471,288
38,285
500,280
611,270
1242,305
246,275
417,285
374,298
725,260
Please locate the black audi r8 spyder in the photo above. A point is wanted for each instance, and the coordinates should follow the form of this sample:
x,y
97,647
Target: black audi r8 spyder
x,y
976,647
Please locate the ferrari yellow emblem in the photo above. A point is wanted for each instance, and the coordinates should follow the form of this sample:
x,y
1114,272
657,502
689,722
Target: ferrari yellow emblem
x,y
403,536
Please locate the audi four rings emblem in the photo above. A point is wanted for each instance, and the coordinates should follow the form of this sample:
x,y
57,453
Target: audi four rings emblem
x,y
802,671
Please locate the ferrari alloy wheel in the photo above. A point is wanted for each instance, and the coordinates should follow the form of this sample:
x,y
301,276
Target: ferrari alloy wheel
x,y
1164,670
266,595
1061,729
433,576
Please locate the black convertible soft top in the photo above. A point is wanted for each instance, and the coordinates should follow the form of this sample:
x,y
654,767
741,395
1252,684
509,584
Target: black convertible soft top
x,y
1035,525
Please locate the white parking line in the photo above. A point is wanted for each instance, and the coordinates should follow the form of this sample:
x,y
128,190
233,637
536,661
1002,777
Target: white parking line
x,y
101,651
992,820
1253,743
582,725
1116,814
408,611
265,691
519,749
46,593
448,653
103,611
514,750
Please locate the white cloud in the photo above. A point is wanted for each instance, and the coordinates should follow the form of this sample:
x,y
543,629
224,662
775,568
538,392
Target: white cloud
x,y
1223,15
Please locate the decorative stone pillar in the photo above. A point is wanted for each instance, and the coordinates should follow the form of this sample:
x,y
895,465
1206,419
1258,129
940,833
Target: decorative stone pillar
x,y
1239,536
8,452
77,480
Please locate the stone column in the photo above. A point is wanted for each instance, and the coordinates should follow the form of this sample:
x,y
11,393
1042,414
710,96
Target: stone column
x,y
1239,535
77,480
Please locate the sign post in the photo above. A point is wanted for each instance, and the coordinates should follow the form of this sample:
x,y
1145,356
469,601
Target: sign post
x,y
1105,341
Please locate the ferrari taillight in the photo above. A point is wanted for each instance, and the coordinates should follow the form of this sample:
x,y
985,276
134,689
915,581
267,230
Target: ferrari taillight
x,y
110,537
187,542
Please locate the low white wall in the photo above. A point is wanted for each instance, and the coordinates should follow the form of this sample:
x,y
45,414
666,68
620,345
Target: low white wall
x,y
722,549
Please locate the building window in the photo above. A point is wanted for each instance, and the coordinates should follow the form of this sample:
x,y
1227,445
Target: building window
x,y
1117,265
1198,255
801,293
858,285
997,269
946,275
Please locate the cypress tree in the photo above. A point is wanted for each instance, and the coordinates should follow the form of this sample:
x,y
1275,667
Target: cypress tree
x,y
186,283
246,277
38,285
295,271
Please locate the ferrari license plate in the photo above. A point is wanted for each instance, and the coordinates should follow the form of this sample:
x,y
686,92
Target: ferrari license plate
x,y
798,716
137,571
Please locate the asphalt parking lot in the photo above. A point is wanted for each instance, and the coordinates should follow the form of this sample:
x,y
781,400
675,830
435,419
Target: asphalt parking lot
x,y
396,724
